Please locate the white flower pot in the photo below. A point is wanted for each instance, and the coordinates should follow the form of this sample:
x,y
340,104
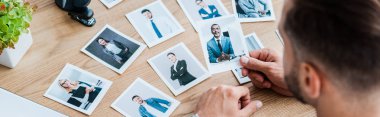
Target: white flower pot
x,y
10,57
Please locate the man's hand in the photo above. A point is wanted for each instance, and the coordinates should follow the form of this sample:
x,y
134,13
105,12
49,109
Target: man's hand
x,y
265,70
227,101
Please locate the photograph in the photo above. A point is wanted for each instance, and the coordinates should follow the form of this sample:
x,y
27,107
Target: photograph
x,y
141,99
253,43
222,42
78,89
178,68
200,10
155,23
113,49
110,3
239,76
253,10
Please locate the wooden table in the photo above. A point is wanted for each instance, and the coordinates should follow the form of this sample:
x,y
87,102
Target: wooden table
x,y
58,40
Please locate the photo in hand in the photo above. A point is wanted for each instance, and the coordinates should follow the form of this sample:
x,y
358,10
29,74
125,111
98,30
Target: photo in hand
x,y
141,99
110,3
253,43
113,49
222,43
253,10
78,89
155,23
200,10
178,68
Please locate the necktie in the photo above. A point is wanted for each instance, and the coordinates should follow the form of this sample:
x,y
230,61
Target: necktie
x,y
220,46
158,33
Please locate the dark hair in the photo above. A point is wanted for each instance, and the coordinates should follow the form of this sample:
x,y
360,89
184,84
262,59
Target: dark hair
x,y
214,25
135,96
170,53
97,40
145,10
198,0
344,36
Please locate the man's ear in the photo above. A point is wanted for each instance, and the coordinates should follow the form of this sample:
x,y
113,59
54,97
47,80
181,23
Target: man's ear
x,y
310,80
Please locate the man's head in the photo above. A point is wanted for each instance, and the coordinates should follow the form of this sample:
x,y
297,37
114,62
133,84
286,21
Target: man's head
x,y
172,57
147,13
331,46
200,3
215,30
137,99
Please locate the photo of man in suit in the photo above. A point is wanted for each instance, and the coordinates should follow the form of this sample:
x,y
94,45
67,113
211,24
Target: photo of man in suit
x,y
179,70
219,47
82,93
252,8
118,51
159,26
207,11
151,106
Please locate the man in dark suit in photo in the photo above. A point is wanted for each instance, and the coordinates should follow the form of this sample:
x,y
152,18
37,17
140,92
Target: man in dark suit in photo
x,y
219,47
179,70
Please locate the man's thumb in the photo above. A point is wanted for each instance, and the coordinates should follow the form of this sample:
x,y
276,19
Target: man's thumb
x,y
253,64
252,107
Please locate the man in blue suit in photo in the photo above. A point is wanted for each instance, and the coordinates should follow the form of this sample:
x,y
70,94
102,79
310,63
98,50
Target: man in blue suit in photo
x,y
219,47
151,106
207,11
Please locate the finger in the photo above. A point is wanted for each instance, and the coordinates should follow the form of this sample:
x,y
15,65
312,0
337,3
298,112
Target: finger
x,y
243,95
256,76
257,84
267,84
251,108
244,72
254,64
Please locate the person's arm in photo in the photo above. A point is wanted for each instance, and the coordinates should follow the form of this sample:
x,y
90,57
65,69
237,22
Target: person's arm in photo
x,y
244,6
203,16
120,45
211,57
144,113
264,4
183,68
162,101
84,83
174,74
215,11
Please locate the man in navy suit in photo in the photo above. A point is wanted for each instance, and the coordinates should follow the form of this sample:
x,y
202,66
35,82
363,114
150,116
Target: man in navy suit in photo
x,y
219,47
207,11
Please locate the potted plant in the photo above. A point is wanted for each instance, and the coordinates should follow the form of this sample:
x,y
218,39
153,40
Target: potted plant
x,y
15,36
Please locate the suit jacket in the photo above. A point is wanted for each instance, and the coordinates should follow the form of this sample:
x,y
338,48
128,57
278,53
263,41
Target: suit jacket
x,y
250,7
214,51
205,15
181,73
118,56
81,92
155,103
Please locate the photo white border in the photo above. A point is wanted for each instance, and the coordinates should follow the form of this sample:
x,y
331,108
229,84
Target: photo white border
x,y
188,86
256,39
271,18
229,66
174,105
193,23
128,62
240,80
246,79
107,85
139,30
112,4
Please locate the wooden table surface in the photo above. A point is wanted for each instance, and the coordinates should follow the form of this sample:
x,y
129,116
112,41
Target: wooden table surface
x,y
58,40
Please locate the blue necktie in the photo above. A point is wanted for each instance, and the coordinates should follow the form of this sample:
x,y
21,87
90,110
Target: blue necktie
x,y
158,33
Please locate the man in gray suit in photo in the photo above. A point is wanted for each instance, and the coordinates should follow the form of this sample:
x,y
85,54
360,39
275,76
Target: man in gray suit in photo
x,y
219,47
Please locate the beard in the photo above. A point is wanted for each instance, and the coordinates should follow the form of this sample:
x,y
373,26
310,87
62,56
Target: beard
x,y
294,86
